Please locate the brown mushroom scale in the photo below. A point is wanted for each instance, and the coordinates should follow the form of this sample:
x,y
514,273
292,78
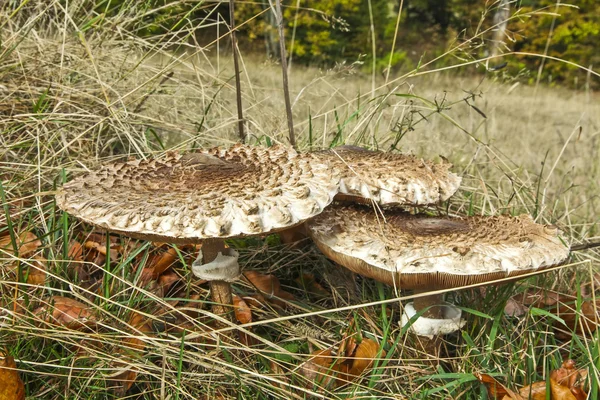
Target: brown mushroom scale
x,y
390,178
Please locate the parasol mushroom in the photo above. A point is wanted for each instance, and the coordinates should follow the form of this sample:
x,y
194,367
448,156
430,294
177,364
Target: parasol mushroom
x,y
390,178
204,197
432,253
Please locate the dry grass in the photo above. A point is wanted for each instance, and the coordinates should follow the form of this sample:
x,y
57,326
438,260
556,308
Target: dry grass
x,y
69,102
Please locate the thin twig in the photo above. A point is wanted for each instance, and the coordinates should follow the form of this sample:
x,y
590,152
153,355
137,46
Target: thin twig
x,y
286,91
236,66
584,246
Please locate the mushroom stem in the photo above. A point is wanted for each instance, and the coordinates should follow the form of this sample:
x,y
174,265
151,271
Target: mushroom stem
x,y
220,291
433,303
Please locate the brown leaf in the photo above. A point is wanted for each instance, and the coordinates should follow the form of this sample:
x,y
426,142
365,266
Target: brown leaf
x,y
123,380
243,314
322,367
293,235
358,359
285,295
559,392
535,391
139,324
309,281
495,389
513,308
518,304
571,377
255,301
34,270
156,275
11,386
67,312
363,357
565,384
165,281
75,251
157,265
37,273
268,284
583,321
280,373
114,249
161,262
27,243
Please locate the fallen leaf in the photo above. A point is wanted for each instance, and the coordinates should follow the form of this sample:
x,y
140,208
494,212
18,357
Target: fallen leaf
x,y
322,367
354,359
268,284
364,356
293,235
11,385
513,308
75,251
280,373
34,270
572,378
114,249
36,274
243,314
495,389
27,244
123,379
285,295
67,312
566,383
165,281
269,288
139,325
255,300
157,265
311,285
358,358
518,304
585,320
535,391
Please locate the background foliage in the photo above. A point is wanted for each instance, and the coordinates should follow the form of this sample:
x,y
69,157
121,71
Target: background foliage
x,y
326,32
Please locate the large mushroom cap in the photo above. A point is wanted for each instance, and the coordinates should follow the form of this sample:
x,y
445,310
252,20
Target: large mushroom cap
x,y
421,252
390,178
218,193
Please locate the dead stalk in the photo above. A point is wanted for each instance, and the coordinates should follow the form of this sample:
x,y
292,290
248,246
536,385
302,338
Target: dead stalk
x,y
286,90
236,66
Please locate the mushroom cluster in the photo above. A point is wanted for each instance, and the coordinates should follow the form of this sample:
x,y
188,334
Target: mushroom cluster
x,y
223,193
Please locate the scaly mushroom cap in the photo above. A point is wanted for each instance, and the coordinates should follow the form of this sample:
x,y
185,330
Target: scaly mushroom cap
x,y
389,178
422,252
219,193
